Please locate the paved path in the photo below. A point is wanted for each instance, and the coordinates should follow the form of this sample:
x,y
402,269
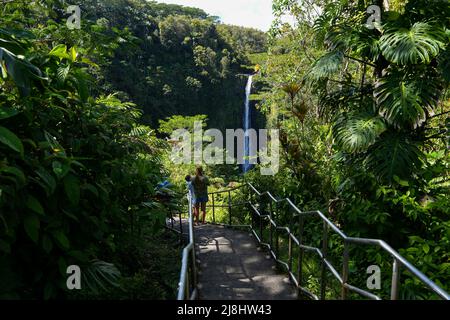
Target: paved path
x,y
233,268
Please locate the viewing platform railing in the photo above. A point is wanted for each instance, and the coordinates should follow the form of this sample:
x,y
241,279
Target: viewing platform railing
x,y
187,286
188,290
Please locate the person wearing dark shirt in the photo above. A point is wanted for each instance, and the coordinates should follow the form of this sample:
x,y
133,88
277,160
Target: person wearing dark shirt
x,y
200,183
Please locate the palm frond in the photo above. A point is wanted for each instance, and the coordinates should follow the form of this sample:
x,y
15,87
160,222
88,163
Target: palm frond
x,y
419,44
355,133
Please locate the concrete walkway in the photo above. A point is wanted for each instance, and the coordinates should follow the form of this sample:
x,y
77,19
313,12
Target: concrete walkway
x,y
232,267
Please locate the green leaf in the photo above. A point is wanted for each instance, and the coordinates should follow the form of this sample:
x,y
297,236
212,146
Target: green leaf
x,y
60,51
394,155
49,181
34,204
62,265
89,62
72,188
62,73
82,85
355,132
444,64
11,140
20,70
73,54
420,44
91,188
32,225
401,182
60,169
47,243
61,239
327,65
426,248
7,112
16,172
408,100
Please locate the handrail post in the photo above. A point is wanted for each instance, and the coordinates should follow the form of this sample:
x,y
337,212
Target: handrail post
x,y
344,290
261,209
395,280
323,282
277,234
229,206
181,227
290,242
290,254
271,226
213,209
300,256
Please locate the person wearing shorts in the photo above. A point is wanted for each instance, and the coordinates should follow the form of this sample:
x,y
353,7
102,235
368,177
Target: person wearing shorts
x,y
200,183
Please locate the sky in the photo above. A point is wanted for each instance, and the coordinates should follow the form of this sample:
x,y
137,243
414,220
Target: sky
x,y
248,13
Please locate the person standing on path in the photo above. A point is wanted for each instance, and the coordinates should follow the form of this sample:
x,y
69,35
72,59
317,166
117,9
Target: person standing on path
x,y
200,183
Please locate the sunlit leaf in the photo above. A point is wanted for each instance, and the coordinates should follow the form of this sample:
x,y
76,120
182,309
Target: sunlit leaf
x,y
11,140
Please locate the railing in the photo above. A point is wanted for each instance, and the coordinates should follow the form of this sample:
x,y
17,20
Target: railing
x,y
297,275
176,226
187,286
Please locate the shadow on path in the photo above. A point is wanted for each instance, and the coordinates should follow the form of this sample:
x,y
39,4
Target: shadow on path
x,y
233,268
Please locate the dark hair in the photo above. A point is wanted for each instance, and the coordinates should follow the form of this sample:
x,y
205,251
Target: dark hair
x,y
199,171
188,178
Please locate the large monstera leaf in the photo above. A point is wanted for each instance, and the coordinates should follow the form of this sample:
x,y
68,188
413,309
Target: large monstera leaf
x,y
393,155
327,65
357,132
367,44
406,99
444,63
419,44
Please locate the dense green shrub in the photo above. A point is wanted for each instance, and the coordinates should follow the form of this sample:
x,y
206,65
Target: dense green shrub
x,y
77,172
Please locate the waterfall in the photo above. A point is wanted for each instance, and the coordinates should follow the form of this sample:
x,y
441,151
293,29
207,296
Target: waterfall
x,y
247,124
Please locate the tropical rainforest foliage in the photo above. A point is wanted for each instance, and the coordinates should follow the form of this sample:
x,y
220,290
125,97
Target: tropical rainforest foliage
x,y
363,114
79,168
86,115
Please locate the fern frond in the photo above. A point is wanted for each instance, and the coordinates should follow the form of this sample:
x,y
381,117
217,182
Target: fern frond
x,y
139,131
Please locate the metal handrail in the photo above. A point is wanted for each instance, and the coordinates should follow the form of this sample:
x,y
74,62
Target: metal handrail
x,y
398,260
187,286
